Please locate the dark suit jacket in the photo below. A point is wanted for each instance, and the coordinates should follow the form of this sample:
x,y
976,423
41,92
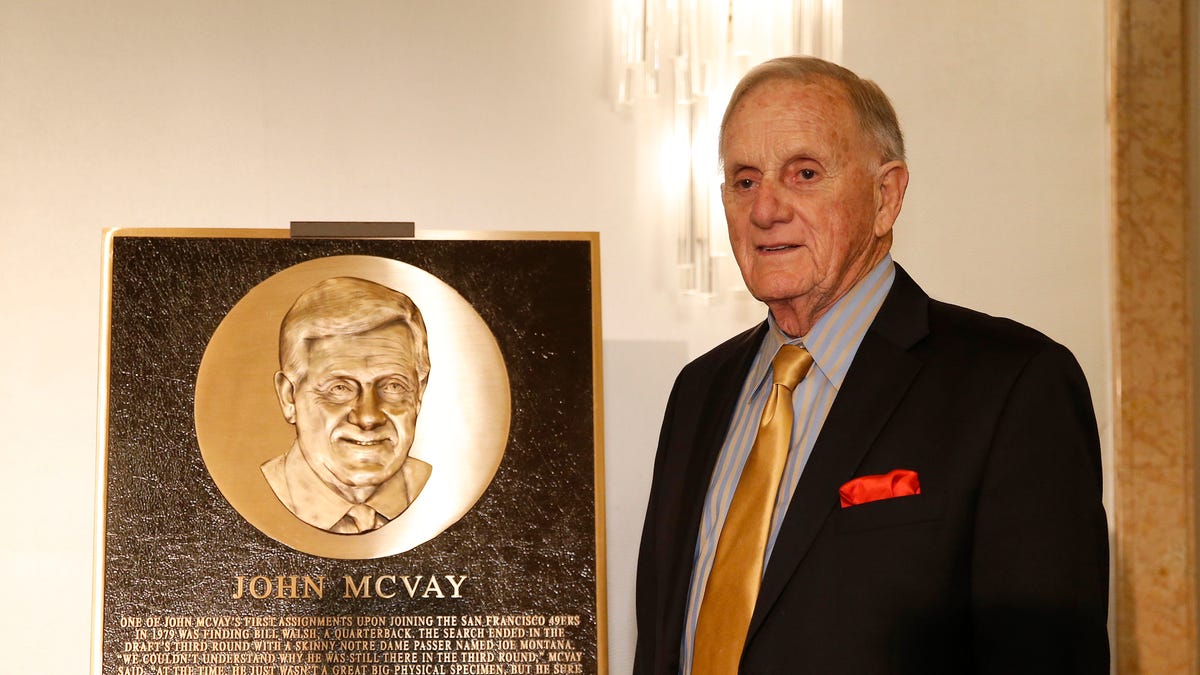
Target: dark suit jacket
x,y
1000,565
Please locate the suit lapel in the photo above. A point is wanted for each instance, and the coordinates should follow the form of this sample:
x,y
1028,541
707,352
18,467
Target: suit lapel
x,y
711,426
879,376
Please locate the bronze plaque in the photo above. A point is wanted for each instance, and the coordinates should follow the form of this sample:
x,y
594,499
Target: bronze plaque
x,y
350,456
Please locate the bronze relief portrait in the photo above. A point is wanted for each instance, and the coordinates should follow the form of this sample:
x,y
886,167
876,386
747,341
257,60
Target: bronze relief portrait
x,y
354,362
352,406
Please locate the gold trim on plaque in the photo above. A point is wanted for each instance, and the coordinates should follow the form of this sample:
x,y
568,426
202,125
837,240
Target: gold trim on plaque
x,y
260,432
598,417
99,521
421,235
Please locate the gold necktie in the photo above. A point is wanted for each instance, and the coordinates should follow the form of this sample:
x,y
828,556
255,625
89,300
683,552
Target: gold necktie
x,y
732,586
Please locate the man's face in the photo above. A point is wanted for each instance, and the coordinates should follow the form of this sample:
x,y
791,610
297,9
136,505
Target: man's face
x,y
356,409
800,193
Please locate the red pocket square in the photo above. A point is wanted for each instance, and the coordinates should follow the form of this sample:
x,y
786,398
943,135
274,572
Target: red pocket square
x,y
898,483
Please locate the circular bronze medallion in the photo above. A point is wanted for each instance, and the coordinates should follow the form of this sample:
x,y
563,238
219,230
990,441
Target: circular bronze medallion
x,y
461,427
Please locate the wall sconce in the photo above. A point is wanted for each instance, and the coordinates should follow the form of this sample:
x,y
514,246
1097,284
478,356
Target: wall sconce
x,y
681,59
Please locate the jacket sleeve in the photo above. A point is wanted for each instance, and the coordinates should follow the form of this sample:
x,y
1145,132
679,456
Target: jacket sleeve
x,y
649,590
1039,570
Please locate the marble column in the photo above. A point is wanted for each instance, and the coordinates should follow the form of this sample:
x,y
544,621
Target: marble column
x,y
1154,542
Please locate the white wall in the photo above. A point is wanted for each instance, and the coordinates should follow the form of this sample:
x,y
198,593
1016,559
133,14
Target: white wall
x,y
1008,211
472,114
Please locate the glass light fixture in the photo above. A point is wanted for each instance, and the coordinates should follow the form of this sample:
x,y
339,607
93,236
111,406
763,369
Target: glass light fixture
x,y
680,59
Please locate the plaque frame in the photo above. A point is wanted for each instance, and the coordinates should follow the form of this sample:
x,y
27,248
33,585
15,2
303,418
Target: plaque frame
x,y
115,536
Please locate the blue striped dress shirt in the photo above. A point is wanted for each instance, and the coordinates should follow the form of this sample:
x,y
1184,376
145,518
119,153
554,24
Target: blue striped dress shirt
x,y
833,341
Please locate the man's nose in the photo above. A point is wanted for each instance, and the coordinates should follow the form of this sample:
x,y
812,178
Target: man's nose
x,y
770,206
366,413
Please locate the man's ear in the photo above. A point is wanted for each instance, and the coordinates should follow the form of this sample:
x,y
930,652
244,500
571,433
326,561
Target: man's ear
x,y
286,391
890,187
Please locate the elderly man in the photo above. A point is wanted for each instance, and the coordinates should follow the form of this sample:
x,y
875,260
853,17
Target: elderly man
x,y
870,481
354,361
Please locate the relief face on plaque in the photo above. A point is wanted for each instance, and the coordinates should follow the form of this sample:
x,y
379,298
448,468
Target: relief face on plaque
x,y
354,362
352,407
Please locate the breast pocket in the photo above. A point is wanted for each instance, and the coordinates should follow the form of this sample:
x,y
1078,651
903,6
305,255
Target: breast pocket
x,y
886,513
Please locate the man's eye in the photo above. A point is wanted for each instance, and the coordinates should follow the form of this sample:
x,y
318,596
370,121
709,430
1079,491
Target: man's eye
x,y
808,174
393,389
744,184
340,391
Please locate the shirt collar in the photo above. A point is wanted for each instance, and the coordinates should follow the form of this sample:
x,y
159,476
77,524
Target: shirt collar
x,y
835,337
316,503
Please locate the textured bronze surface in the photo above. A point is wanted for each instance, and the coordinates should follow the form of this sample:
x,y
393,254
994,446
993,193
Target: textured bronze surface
x,y
190,582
